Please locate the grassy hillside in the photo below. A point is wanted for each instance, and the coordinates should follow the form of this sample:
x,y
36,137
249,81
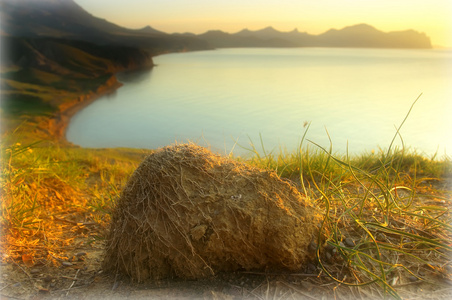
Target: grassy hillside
x,y
46,78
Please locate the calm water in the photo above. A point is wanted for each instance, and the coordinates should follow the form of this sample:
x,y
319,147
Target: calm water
x,y
228,97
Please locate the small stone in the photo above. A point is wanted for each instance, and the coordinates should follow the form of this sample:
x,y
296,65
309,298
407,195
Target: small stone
x,y
66,263
310,269
329,247
349,242
328,256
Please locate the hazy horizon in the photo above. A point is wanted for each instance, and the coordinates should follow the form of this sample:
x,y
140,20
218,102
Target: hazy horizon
x,y
199,16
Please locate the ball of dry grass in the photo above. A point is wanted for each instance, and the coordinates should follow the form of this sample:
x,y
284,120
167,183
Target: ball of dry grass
x,y
188,213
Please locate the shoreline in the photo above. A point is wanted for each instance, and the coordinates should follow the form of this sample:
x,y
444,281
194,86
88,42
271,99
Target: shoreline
x,y
56,126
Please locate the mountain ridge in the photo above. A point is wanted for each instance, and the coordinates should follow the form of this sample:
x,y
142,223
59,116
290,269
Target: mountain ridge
x,y
67,19
359,36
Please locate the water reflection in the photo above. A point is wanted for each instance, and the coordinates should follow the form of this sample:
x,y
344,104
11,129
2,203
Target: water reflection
x,y
358,95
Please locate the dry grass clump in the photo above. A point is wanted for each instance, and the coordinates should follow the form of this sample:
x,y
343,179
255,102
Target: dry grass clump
x,y
51,198
37,204
188,213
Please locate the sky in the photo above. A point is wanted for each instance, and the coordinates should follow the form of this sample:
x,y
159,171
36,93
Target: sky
x,y
433,17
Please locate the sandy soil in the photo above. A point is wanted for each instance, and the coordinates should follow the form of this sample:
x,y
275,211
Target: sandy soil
x,y
82,278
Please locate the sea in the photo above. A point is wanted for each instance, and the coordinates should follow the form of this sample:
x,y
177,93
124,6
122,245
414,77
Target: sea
x,y
240,101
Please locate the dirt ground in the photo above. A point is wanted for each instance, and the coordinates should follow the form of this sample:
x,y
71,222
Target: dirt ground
x,y
81,277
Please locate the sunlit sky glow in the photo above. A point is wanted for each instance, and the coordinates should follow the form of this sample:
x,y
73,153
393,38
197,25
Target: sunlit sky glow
x,y
433,17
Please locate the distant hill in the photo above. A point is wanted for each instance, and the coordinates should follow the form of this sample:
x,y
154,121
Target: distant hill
x,y
66,19
54,54
364,35
47,72
70,58
220,39
361,35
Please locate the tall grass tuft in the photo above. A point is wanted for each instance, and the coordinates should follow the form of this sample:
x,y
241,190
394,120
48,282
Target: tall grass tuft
x,y
386,215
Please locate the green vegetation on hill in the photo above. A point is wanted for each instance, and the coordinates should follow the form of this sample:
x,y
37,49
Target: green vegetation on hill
x,y
19,105
48,76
